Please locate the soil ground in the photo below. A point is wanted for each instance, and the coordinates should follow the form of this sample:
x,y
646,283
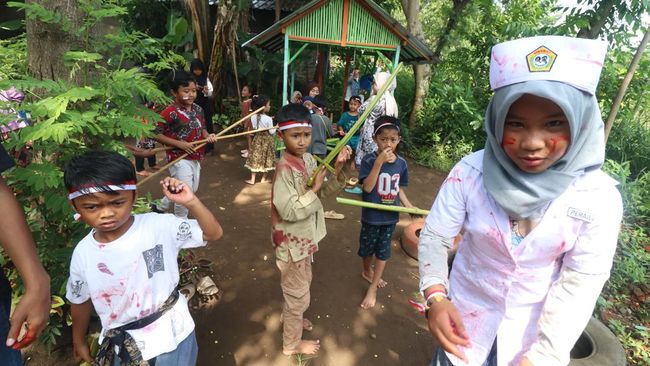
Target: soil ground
x,y
244,328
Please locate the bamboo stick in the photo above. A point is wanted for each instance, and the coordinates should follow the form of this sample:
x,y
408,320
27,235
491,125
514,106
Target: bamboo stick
x,y
357,125
378,206
167,166
150,152
240,121
329,167
218,138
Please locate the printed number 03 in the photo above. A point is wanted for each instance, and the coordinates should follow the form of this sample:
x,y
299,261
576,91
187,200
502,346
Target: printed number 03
x,y
387,184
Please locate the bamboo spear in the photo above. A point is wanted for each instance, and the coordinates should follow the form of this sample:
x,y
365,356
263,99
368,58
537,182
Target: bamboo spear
x,y
197,147
167,166
218,138
357,125
377,206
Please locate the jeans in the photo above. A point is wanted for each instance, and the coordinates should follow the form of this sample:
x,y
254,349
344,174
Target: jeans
x,y
184,355
189,171
8,356
440,357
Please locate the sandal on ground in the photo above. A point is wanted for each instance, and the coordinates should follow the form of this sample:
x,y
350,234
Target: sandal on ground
x,y
206,287
355,190
188,291
334,215
143,173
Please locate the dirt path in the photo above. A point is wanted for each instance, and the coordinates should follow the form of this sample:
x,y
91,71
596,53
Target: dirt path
x,y
244,327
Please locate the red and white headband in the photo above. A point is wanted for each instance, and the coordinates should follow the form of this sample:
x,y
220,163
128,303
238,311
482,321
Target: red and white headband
x,y
77,192
293,124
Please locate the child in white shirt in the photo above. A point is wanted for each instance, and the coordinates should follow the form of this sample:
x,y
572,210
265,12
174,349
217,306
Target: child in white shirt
x,y
126,267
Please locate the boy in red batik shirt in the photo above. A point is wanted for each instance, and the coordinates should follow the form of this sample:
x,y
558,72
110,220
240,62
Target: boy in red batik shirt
x,y
183,125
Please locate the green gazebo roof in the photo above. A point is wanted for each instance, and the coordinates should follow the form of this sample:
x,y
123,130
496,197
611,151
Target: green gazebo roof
x,y
344,23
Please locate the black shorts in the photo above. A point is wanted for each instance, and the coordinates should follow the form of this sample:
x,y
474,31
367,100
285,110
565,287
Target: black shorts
x,y
375,240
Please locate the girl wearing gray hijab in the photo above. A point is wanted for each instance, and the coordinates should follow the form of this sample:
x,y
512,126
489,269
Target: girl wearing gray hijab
x,y
540,219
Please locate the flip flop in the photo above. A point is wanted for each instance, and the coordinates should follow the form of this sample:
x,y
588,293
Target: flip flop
x,y
334,215
188,291
207,287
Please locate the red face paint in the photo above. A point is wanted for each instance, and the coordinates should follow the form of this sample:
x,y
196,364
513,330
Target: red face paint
x,y
508,141
555,140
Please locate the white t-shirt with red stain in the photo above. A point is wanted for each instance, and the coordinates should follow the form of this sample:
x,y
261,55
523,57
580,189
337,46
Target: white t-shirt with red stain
x,y
131,277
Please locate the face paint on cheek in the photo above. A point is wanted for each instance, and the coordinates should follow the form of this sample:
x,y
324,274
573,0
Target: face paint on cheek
x,y
556,139
508,141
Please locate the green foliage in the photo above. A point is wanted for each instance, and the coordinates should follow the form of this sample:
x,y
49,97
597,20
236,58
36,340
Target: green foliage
x,y
631,267
69,119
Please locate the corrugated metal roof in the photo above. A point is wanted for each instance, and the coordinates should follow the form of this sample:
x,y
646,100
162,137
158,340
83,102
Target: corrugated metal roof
x,y
412,49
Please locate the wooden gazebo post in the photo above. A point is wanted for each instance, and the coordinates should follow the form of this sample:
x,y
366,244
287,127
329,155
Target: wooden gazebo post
x,y
285,71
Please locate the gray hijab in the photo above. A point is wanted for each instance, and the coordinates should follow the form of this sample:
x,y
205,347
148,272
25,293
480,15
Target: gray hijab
x,y
526,195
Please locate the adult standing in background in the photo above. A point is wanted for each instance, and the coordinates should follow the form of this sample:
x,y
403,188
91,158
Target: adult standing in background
x,y
386,106
353,88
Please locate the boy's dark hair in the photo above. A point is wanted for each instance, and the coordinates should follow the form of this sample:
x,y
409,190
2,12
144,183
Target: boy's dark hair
x,y
98,169
180,78
259,101
386,122
320,102
292,112
197,64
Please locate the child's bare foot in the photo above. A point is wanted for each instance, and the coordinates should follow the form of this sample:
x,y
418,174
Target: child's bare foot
x,y
264,180
251,182
305,347
307,325
370,299
368,277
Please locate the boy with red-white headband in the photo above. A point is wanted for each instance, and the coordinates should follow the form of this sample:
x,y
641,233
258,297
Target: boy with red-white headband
x,y
298,221
126,267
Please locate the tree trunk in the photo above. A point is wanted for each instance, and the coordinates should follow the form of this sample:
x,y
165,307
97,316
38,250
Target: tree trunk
x,y
626,82
200,14
599,19
47,43
423,72
225,34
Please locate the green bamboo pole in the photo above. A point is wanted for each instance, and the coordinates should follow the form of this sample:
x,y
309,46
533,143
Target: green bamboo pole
x,y
377,206
320,161
357,125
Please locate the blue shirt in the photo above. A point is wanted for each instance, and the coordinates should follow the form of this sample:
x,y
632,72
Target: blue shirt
x,y
391,177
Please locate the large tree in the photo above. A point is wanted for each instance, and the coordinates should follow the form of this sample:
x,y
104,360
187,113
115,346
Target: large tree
x,y
47,42
422,72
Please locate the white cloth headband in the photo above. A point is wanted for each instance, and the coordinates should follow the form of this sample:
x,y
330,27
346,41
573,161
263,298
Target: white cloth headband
x,y
574,61
90,190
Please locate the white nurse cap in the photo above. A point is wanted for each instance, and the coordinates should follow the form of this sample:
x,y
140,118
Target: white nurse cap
x,y
574,61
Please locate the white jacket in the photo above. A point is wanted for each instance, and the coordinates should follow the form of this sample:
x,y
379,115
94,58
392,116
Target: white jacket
x,y
535,298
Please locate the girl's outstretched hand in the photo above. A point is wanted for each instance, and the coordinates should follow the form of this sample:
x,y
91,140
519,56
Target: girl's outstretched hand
x,y
176,190
447,327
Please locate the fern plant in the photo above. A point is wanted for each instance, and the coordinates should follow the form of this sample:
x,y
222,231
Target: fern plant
x,y
101,113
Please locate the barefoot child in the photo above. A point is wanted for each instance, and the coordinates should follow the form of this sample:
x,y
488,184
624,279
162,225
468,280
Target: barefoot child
x,y
261,154
298,222
126,267
183,125
540,218
383,174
